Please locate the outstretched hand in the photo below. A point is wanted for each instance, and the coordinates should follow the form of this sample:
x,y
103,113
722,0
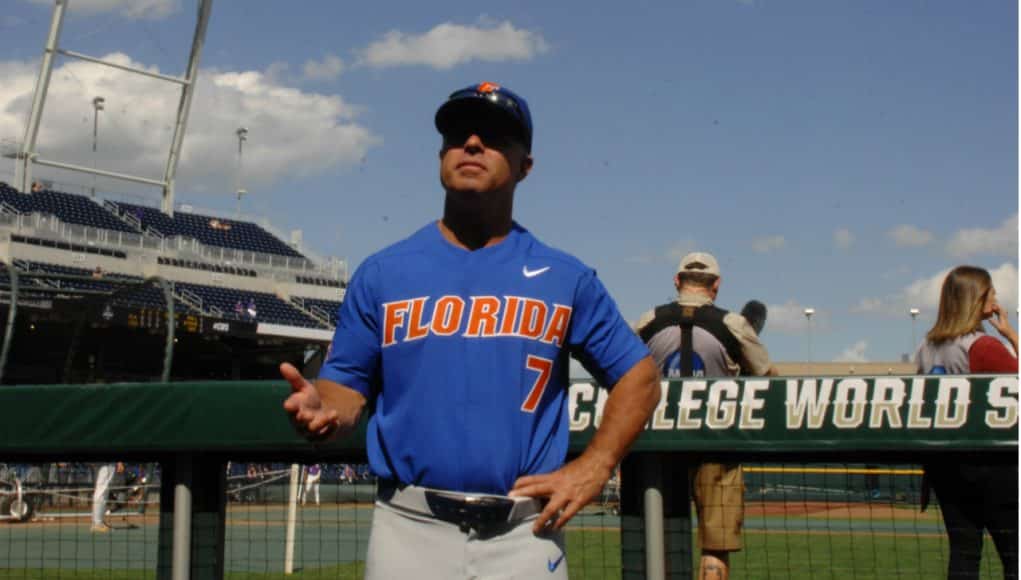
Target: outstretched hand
x,y
314,420
569,489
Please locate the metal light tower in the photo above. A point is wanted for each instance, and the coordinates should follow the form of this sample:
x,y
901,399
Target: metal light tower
x,y
914,312
808,318
242,134
97,106
29,157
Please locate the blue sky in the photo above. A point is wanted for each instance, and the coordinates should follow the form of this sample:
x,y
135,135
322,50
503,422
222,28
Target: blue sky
x,y
834,155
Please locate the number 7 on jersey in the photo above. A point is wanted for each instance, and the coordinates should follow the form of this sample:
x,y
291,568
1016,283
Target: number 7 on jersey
x,y
544,367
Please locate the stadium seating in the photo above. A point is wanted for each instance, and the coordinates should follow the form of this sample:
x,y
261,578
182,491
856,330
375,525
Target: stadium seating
x,y
329,306
149,296
209,230
61,245
233,270
268,307
72,209
319,282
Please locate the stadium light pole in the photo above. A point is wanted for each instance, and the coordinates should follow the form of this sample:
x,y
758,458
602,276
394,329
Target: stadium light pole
x,y
914,312
242,134
97,106
808,319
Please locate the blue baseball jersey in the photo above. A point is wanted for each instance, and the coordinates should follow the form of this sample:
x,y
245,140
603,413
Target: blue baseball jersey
x,y
464,356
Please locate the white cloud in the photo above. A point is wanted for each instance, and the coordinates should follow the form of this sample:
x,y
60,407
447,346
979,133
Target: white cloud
x,y
768,244
134,9
1000,241
789,318
924,294
291,132
854,353
327,69
448,45
843,238
908,236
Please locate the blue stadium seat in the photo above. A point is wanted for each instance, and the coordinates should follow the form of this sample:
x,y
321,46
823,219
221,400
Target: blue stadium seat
x,y
211,231
149,296
268,307
330,306
69,208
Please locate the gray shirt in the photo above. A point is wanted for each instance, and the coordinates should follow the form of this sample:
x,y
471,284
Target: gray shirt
x,y
949,357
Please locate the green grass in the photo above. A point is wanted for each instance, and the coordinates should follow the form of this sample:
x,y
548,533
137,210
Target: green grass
x,y
595,555
854,556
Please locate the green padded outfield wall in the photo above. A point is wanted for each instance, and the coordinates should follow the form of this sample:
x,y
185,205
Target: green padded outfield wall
x,y
748,415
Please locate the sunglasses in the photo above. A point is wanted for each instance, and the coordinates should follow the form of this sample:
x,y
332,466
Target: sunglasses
x,y
493,137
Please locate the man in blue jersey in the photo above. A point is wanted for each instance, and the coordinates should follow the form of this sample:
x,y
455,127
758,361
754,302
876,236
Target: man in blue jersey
x,y
459,338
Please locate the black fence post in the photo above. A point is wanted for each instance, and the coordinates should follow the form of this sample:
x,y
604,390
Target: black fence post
x,y
209,517
165,546
666,474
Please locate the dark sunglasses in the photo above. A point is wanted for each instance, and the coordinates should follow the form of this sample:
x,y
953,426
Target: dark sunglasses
x,y
493,137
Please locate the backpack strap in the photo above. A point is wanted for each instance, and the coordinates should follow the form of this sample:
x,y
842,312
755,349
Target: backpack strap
x,y
687,322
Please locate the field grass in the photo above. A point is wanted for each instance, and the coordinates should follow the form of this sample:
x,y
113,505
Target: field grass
x,y
771,552
838,556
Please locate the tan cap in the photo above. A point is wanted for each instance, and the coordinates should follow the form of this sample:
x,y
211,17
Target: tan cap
x,y
699,262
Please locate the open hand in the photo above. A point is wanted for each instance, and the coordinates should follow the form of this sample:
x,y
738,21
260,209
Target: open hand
x,y
311,418
569,489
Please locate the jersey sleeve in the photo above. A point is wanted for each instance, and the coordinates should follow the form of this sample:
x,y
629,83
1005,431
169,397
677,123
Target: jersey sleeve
x,y
353,360
600,338
988,355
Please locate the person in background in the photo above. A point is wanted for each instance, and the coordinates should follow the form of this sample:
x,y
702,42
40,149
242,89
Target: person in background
x,y
975,492
312,476
100,494
692,337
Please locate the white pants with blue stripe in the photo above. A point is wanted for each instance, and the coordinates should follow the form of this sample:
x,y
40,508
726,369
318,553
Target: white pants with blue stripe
x,y
405,544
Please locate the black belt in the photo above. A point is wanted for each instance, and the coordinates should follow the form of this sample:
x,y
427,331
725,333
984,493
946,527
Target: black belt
x,y
466,510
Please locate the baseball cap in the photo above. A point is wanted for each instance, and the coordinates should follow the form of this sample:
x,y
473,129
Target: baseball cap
x,y
487,98
699,262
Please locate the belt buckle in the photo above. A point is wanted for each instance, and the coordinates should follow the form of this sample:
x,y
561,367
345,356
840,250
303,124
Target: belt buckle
x,y
470,511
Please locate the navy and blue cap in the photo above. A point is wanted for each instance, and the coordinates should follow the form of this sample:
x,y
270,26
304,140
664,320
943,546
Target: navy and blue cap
x,y
486,98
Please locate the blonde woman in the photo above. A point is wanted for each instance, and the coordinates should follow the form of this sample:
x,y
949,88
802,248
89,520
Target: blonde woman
x,y
975,493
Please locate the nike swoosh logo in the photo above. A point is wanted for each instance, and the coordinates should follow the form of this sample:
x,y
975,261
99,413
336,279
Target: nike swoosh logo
x,y
532,273
554,564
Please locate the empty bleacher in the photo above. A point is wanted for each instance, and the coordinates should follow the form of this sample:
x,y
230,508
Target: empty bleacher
x,y
209,230
138,235
149,295
193,265
62,245
268,307
314,281
69,208
330,307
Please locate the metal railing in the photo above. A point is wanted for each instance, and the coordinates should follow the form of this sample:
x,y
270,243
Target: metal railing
x,y
49,226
